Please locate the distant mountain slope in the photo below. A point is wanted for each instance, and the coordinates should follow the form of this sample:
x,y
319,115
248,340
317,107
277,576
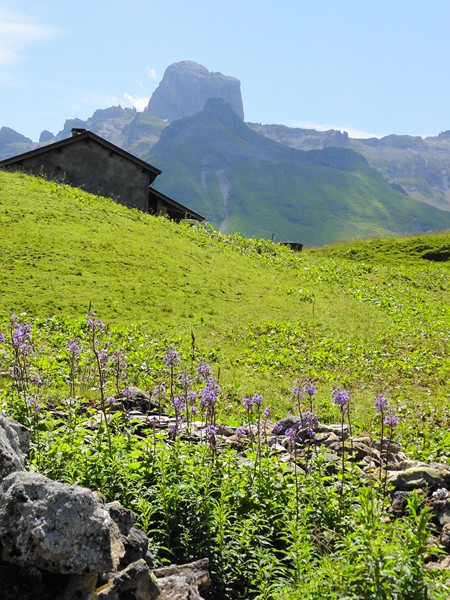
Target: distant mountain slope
x,y
418,167
249,184
421,166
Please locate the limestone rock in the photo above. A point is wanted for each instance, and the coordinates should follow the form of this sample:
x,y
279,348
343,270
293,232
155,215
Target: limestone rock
x,y
183,582
137,399
55,526
420,477
123,517
185,88
133,583
14,445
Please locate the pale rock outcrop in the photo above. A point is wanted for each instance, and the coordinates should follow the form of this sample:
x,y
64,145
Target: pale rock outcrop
x,y
55,526
186,87
14,445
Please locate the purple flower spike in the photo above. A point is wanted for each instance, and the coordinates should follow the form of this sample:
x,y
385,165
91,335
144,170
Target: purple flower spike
x,y
204,370
211,431
291,435
266,412
277,428
391,420
310,388
240,432
297,388
381,404
171,358
33,403
179,404
247,403
256,400
74,348
341,398
311,422
94,323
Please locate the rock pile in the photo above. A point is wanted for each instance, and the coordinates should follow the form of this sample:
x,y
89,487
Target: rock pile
x,y
61,542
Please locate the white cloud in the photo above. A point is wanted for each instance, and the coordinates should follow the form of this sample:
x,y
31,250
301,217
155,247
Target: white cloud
x,y
17,34
353,133
139,102
152,73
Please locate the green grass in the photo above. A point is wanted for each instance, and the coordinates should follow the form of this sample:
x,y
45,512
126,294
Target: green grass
x,y
373,315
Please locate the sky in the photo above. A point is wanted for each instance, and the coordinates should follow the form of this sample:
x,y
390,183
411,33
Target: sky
x,y
368,67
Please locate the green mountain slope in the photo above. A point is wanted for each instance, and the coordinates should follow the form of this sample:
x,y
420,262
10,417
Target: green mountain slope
x,y
373,314
247,183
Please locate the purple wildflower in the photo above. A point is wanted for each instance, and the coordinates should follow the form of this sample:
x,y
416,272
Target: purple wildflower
x,y
256,400
33,403
160,390
277,428
297,388
21,337
194,410
191,397
266,412
120,366
240,432
153,422
103,358
291,435
209,393
391,419
171,357
310,388
185,379
341,398
247,403
126,392
179,404
93,323
204,370
74,348
381,404
311,422
2,338
211,430
35,378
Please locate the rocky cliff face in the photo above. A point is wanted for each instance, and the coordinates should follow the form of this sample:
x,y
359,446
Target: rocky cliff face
x,y
185,88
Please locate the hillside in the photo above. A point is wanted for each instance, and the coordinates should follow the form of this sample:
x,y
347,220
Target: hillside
x,y
370,314
246,183
369,317
418,165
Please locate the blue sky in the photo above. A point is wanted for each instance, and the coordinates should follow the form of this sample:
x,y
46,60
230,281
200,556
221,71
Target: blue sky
x,y
369,67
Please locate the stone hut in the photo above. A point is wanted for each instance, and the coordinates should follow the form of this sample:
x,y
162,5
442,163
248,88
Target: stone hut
x,y
90,162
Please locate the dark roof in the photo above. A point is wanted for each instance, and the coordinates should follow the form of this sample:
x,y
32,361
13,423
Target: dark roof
x,y
78,136
176,205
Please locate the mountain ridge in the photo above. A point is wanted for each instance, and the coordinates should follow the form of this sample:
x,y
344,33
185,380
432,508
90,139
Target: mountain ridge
x,y
248,183
412,166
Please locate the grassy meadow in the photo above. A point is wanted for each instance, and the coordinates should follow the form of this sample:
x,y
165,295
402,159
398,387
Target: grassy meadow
x,y
370,316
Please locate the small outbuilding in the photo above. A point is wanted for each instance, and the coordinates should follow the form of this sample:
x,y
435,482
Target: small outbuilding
x,y
95,165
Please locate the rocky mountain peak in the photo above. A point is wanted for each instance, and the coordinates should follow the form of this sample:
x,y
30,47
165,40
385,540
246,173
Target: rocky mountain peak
x,y
185,88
